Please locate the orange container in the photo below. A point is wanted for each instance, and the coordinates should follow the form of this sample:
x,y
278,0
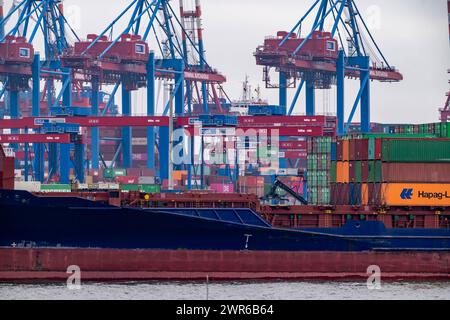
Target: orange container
x,y
339,172
178,175
346,150
413,194
365,194
342,172
346,172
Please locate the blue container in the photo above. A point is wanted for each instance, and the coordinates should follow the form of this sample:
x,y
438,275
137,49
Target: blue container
x,y
333,151
355,194
218,120
272,110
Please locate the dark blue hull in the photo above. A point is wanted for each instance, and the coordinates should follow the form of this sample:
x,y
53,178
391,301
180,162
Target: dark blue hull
x,y
26,220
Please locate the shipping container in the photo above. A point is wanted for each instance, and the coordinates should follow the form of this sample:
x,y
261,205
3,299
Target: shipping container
x,y
150,188
222,188
56,188
113,173
30,186
416,150
129,187
345,150
411,194
127,180
416,172
146,180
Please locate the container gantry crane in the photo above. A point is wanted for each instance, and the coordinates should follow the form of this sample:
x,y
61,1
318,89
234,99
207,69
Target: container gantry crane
x,y
30,20
126,60
321,59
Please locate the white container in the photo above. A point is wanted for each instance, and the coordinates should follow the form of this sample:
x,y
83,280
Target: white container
x,y
146,180
30,186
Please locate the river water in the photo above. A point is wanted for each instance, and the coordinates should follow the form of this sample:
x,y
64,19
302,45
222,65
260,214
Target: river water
x,y
228,291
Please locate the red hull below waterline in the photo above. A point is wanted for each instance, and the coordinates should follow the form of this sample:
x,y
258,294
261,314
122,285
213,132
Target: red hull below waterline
x,y
23,264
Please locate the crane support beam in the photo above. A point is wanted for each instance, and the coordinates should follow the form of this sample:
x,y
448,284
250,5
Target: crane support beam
x,y
87,122
35,138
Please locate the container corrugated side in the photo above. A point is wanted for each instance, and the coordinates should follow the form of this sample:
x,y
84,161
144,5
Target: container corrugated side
x,y
416,172
417,150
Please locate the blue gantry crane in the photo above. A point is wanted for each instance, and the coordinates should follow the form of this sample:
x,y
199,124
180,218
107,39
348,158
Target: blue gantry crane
x,y
322,57
27,23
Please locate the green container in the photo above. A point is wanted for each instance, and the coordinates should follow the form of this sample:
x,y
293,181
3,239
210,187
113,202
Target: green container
x,y
333,171
150,188
444,130
416,150
358,171
56,188
129,187
378,171
397,135
267,188
113,173
371,150
375,168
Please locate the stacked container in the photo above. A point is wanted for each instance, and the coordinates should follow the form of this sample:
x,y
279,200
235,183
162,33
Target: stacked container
x,y
251,185
321,153
375,170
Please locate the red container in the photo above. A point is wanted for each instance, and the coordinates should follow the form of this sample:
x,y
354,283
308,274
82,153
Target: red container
x,y
294,145
362,149
352,173
352,149
145,172
378,149
416,172
251,181
340,194
293,154
127,180
340,150
364,171
134,172
218,180
222,188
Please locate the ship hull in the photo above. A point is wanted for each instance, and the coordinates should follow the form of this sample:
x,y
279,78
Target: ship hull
x,y
51,264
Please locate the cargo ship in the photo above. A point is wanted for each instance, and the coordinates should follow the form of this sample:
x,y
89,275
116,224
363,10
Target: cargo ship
x,y
112,235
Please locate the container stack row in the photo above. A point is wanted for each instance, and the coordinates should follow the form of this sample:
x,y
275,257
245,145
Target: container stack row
x,y
374,170
321,153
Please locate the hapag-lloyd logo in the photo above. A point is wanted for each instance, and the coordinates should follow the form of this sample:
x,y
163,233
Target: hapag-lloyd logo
x,y
407,194
434,195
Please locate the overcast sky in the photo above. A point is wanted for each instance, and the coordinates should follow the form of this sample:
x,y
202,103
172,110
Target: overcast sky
x,y
413,34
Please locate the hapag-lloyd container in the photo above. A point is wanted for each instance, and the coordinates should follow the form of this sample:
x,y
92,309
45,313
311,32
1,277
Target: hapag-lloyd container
x,y
412,194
